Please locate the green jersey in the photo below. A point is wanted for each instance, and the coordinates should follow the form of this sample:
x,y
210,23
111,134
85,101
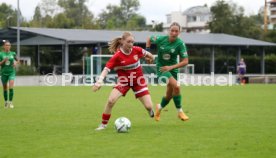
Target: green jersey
x,y
168,51
7,67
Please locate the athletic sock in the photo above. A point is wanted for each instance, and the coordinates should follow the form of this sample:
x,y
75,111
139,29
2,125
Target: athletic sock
x,y
177,101
5,95
11,94
164,102
105,118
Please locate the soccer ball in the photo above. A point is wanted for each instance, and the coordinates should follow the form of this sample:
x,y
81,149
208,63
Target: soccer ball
x,y
122,124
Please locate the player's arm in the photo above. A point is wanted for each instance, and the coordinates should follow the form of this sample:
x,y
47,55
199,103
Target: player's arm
x,y
148,44
109,65
148,57
182,63
15,62
99,82
3,60
183,59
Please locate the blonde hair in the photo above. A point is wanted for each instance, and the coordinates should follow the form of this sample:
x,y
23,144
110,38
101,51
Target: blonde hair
x,y
117,42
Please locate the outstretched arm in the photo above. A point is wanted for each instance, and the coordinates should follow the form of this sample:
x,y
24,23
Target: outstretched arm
x,y
99,83
149,57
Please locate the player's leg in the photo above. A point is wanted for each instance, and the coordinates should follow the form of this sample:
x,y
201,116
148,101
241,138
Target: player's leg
x,y
147,102
177,98
4,80
116,93
165,100
11,91
141,92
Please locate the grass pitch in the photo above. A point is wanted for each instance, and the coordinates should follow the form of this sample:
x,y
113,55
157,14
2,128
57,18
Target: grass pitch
x,y
225,122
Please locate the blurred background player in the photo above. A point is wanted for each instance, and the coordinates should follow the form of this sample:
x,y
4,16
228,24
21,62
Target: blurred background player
x,y
8,62
169,47
126,62
241,68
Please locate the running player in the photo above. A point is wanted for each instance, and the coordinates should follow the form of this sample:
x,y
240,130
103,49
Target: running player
x,y
169,47
8,62
126,62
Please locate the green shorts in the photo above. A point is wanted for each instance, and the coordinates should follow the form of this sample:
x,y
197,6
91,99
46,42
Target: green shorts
x,y
164,76
7,77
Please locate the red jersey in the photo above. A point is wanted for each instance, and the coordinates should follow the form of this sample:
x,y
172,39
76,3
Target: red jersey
x,y
127,64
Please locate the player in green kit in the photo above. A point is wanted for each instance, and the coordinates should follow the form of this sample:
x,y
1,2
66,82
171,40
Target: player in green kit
x,y
8,62
169,47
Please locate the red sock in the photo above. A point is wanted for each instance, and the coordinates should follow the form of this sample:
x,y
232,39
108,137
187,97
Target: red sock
x,y
105,118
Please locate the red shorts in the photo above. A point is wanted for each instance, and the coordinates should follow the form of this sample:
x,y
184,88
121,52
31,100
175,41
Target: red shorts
x,y
138,89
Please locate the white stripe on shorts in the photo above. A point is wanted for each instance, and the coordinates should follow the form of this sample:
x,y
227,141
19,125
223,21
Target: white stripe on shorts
x,y
141,90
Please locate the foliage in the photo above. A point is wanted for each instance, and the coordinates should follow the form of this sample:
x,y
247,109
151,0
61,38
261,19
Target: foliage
x,y
25,70
123,16
229,18
8,16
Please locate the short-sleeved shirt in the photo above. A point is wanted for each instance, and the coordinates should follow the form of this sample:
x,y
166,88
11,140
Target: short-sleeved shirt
x,y
127,64
7,67
168,51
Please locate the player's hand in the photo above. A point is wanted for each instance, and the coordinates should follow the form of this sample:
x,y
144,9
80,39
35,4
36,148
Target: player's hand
x,y
149,60
14,64
166,68
4,60
97,86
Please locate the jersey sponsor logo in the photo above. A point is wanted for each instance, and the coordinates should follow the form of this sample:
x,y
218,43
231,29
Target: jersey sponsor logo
x,y
166,56
7,62
135,57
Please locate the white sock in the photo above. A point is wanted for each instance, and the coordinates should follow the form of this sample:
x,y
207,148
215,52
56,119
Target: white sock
x,y
180,110
159,107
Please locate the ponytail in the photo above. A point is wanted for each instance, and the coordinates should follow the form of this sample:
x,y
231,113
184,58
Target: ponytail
x,y
114,44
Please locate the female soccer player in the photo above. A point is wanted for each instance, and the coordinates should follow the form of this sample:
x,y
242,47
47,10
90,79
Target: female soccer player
x,y
169,47
126,63
8,62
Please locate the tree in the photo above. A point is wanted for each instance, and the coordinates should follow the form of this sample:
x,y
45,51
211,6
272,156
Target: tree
x,y
78,12
229,18
123,16
223,18
49,7
37,18
8,16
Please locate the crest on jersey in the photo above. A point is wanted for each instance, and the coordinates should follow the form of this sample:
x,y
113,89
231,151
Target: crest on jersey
x,y
135,57
172,50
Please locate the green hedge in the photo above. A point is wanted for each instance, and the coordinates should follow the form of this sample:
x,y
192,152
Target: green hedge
x,y
223,64
24,70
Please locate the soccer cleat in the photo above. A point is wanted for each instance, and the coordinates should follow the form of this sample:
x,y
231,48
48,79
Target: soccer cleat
x,y
11,105
151,113
7,104
101,127
183,116
157,113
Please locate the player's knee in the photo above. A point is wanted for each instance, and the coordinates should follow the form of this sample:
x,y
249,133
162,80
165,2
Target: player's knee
x,y
111,101
176,90
169,97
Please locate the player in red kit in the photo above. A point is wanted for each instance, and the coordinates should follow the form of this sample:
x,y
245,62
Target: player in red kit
x,y
126,62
